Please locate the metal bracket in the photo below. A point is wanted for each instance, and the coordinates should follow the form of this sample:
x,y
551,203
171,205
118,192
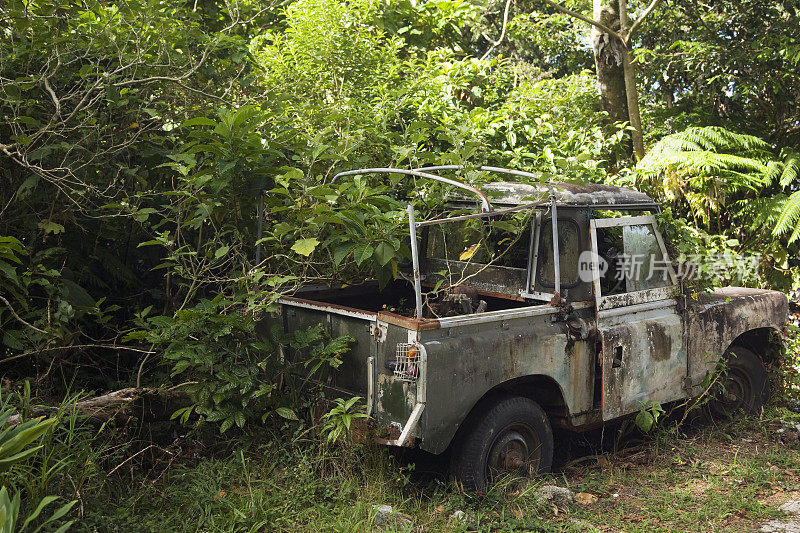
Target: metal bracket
x,y
378,331
410,425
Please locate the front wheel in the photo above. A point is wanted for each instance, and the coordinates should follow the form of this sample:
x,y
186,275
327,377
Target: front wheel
x,y
744,385
513,436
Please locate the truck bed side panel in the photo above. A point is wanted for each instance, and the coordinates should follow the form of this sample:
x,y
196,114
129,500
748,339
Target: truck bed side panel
x,y
465,362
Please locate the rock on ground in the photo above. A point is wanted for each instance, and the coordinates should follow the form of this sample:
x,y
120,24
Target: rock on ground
x,y
792,525
558,496
385,517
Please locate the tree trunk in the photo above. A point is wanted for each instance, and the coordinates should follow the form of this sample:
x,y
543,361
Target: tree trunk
x,y
616,77
634,117
608,59
631,91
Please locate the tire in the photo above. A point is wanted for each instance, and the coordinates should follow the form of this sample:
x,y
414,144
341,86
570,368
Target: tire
x,y
510,436
745,386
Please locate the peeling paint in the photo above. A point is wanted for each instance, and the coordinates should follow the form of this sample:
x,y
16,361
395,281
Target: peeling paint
x,y
716,319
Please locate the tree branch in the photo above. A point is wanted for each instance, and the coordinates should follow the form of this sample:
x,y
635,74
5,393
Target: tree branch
x,y
56,348
638,21
502,32
20,318
587,20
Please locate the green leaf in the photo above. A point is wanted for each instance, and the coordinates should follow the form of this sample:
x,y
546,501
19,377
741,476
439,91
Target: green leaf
x,y
286,413
305,246
48,226
226,425
27,186
77,295
363,252
341,252
221,251
64,527
47,500
199,121
143,214
384,253
7,462
9,271
645,421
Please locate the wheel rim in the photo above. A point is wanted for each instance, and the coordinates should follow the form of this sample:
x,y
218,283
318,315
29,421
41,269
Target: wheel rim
x,y
516,450
737,394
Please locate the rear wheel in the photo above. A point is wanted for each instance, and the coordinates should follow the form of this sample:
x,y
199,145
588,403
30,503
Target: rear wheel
x,y
744,385
511,437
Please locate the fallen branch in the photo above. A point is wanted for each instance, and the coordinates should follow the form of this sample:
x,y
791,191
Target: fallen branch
x,y
146,403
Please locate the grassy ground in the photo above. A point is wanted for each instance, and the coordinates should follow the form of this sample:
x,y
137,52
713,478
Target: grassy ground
x,y
728,477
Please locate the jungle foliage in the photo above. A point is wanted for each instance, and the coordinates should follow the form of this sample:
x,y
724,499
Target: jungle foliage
x,y
137,139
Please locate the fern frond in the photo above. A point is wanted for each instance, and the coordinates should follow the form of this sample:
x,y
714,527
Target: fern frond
x,y
744,180
740,161
715,138
761,211
773,171
795,234
791,168
790,213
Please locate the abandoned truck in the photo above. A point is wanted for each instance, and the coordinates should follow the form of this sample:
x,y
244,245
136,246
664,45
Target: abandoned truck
x,y
500,349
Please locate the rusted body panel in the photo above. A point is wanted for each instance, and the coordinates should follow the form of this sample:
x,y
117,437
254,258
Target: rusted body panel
x,y
467,359
394,399
719,317
644,359
467,356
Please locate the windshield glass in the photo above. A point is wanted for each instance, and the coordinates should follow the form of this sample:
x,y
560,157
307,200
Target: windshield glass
x,y
568,250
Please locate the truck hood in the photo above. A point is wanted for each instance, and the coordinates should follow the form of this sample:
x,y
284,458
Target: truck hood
x,y
717,318
770,306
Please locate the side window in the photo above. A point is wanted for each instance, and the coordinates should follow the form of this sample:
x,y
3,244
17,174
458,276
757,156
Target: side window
x,y
633,259
568,250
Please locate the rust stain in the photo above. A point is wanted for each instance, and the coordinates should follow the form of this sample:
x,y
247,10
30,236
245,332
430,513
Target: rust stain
x,y
660,341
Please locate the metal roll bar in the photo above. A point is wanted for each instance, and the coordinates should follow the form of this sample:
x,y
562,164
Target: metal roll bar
x,y
553,209
496,170
486,209
485,205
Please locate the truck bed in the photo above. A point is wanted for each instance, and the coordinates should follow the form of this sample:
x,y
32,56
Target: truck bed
x,y
396,298
379,321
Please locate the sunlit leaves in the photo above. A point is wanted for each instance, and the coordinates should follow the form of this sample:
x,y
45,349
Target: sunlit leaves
x,y
305,246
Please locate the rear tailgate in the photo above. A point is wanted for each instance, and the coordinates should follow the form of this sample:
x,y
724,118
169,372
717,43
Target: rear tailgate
x,y
353,375
367,368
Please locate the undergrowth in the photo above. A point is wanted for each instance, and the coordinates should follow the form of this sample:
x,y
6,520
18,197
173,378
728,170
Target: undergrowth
x,y
724,476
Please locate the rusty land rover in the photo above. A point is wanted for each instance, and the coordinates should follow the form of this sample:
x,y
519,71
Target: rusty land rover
x,y
494,351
